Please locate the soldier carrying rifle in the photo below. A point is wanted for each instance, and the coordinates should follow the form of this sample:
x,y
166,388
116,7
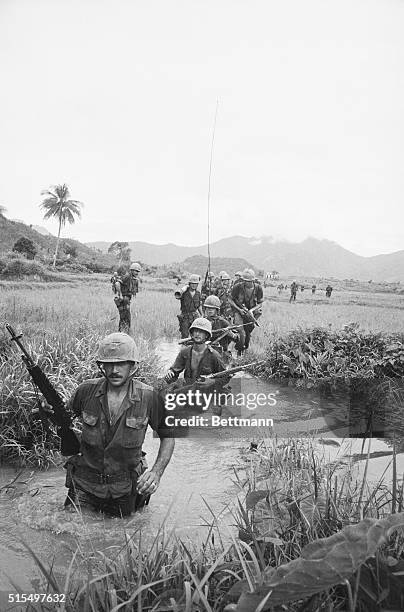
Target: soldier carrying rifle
x,y
190,299
222,290
126,286
246,296
220,339
109,473
197,359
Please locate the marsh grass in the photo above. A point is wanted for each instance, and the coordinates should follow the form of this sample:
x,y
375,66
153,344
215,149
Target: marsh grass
x,y
62,328
289,497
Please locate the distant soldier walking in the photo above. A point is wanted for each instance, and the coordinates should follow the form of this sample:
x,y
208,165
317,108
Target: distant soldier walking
x,y
328,291
293,291
245,295
313,289
126,286
191,307
237,278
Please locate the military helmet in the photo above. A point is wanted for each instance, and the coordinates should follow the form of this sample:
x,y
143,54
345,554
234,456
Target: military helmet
x,y
202,324
223,275
212,301
194,278
240,274
135,266
248,275
211,274
117,347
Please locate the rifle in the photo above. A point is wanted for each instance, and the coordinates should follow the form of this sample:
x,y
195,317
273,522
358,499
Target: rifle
x,y
231,371
59,417
225,331
243,313
165,387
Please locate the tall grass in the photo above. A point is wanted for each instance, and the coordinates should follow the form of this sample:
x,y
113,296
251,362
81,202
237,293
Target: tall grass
x,y
62,328
289,497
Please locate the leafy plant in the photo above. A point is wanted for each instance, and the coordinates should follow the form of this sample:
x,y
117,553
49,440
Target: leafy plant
x,y
322,564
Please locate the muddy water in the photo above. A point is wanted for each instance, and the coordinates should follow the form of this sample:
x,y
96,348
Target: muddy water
x,y
31,510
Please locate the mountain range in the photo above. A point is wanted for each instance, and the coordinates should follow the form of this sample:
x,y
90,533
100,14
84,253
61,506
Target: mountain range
x,y
311,257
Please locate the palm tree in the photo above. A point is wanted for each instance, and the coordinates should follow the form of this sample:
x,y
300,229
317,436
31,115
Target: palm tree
x,y
57,204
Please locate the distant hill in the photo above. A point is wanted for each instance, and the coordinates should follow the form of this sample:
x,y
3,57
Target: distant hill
x,y
198,264
311,257
41,230
11,231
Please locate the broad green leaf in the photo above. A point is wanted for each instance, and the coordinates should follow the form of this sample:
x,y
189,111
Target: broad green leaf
x,y
323,564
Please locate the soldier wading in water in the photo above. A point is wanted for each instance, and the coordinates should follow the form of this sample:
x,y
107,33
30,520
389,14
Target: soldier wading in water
x,y
198,359
109,474
212,307
246,294
126,287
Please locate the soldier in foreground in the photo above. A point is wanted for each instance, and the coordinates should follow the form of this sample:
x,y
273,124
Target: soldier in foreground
x,y
191,306
109,474
245,295
126,286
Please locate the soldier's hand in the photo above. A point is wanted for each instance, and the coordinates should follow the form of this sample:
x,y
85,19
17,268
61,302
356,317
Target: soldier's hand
x,y
169,376
46,407
148,482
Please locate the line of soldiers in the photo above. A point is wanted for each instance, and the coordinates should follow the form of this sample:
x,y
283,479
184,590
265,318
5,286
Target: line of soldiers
x,y
232,306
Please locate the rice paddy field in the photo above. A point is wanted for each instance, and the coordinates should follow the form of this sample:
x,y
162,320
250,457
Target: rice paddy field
x,y
291,506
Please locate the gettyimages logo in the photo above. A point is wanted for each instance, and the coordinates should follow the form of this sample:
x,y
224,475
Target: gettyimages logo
x,y
194,412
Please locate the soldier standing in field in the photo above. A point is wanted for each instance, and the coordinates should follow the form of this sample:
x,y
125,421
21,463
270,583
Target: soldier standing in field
x,y
246,294
328,291
109,473
313,289
293,291
191,305
126,286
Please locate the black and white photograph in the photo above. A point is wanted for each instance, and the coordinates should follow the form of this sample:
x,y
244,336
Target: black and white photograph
x,y
201,306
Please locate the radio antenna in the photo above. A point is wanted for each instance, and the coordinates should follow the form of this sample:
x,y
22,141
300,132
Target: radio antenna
x,y
209,186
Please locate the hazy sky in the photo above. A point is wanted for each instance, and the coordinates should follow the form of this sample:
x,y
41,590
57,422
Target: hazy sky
x,y
117,99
